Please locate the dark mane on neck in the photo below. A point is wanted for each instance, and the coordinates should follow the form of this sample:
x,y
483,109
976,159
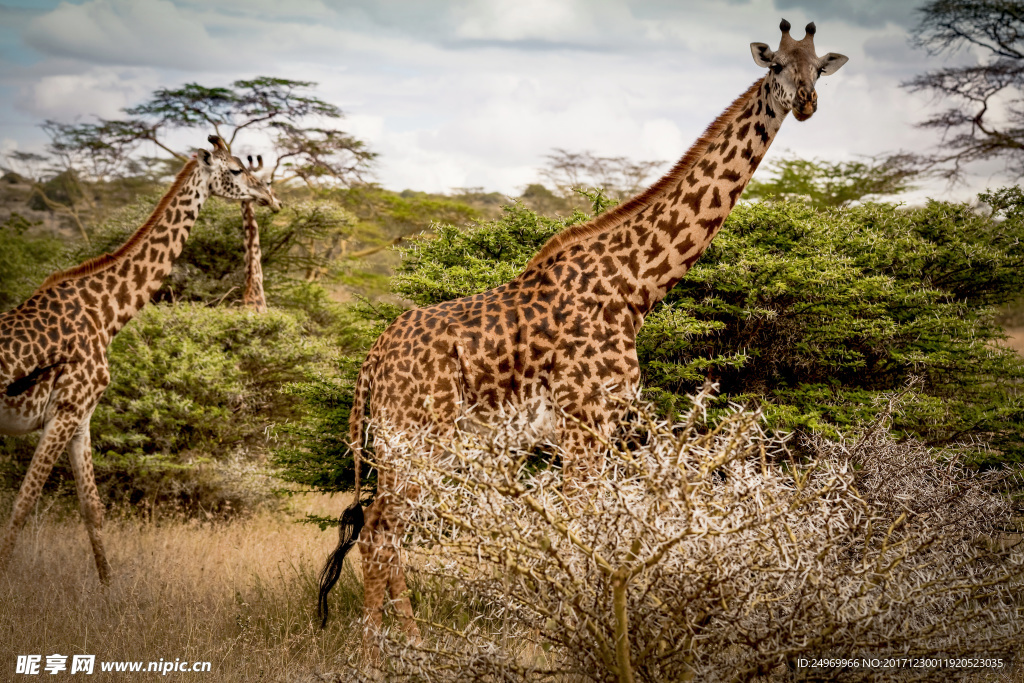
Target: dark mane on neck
x,y
104,261
629,208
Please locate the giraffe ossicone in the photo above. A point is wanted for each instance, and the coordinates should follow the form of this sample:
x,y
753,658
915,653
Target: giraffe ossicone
x,y
565,329
53,347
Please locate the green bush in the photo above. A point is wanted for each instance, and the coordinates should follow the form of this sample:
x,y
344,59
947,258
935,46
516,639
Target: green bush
x,y
25,261
463,261
194,396
814,314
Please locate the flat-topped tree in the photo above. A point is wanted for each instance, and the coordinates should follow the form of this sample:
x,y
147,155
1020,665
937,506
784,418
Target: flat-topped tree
x,y
53,347
562,333
280,106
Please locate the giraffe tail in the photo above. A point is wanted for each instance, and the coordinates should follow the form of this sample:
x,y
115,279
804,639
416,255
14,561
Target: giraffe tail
x,y
351,525
351,522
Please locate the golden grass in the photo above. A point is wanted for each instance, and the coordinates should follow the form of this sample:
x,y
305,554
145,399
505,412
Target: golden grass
x,y
239,594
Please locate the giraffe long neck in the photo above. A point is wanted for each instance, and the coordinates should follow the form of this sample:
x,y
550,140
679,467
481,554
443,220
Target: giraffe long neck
x,y
116,286
253,296
643,247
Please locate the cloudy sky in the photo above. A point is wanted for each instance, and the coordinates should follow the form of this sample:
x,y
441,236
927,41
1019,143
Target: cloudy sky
x,y
475,93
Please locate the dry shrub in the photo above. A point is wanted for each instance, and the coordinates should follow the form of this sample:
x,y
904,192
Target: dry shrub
x,y
706,552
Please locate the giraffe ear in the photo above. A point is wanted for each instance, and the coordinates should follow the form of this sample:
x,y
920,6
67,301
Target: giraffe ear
x,y
206,157
830,63
762,54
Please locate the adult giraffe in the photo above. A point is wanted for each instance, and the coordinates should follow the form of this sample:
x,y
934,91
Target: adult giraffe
x,y
565,329
53,347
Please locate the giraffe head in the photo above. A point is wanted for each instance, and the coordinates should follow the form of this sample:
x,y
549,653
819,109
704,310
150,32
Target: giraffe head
x,y
794,69
230,179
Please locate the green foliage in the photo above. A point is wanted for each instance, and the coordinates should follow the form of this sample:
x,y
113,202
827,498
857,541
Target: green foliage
x,y
393,214
318,456
460,262
825,184
193,393
817,314
24,261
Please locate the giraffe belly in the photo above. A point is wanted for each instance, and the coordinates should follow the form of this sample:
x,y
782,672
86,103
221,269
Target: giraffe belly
x,y
26,411
17,419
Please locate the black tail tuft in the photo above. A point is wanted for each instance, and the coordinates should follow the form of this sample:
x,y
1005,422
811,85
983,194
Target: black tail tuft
x,y
351,525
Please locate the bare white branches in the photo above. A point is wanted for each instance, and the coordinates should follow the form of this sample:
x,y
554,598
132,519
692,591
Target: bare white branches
x,y
706,551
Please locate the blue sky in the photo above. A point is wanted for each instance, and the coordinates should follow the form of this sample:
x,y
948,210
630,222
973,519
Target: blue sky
x,y
475,93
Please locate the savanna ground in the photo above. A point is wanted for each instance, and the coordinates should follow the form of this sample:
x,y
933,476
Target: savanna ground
x,y
239,594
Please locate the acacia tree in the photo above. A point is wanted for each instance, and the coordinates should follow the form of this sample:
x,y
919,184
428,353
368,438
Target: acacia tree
x,y
985,115
618,177
283,106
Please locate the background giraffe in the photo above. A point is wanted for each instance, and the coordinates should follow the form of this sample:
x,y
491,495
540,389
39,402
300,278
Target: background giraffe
x,y
253,297
53,347
562,332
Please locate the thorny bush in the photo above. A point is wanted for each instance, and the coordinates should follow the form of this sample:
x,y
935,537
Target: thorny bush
x,y
704,551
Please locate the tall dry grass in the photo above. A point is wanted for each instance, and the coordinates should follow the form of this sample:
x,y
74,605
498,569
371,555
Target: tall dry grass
x,y
239,594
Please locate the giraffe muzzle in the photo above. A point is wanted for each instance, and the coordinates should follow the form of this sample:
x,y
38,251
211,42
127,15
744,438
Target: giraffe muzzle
x,y
805,104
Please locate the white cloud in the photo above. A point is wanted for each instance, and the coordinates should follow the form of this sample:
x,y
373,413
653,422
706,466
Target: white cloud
x,y
7,145
524,20
476,92
128,32
100,91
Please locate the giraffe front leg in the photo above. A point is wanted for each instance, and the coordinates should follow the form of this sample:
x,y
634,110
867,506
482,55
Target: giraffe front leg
x,y
56,435
88,496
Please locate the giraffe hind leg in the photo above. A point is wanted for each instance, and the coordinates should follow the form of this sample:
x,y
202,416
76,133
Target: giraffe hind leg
x,y
400,596
375,581
396,574
88,496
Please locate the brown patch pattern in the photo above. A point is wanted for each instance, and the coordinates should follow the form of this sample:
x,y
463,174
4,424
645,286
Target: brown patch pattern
x,y
253,297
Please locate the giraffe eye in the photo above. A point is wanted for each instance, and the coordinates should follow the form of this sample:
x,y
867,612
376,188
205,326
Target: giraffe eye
x,y
777,68
235,171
